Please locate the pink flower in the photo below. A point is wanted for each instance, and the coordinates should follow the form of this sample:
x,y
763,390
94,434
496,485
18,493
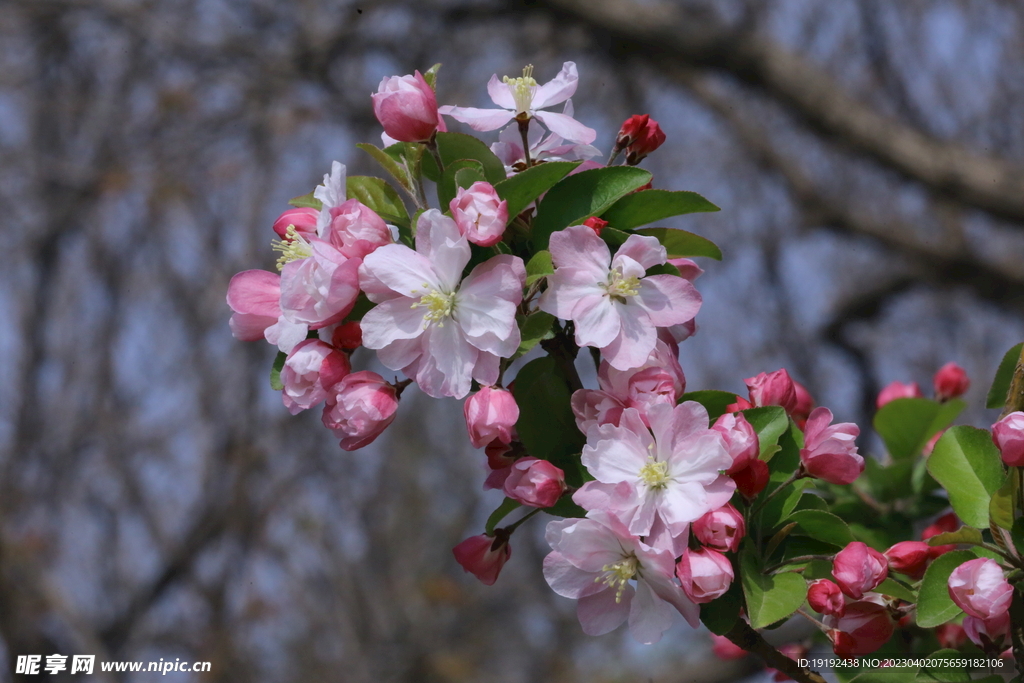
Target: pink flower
x,y
406,107
979,588
534,482
704,574
951,635
596,560
659,380
897,389
909,557
752,479
725,649
657,484
864,627
491,414
254,297
1008,435
773,389
991,635
830,452
740,440
359,408
950,381
483,556
302,219
721,529
509,147
612,302
804,404
356,230
522,97
480,214
859,569
430,323
309,372
331,193
825,597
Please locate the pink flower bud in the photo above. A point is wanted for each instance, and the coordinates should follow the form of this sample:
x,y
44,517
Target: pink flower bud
x,y
950,381
752,479
407,108
303,218
859,569
348,335
979,588
830,451
897,389
951,636
740,404
804,404
309,372
991,635
740,440
864,627
534,482
480,214
704,574
254,297
825,597
491,413
721,529
725,649
359,408
483,556
500,459
356,230
773,389
947,523
1008,435
595,224
909,557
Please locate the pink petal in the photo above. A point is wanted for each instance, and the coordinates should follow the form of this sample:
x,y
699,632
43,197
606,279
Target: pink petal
x,y
403,270
649,615
600,613
249,327
438,239
668,299
500,94
447,367
558,89
668,591
597,321
567,580
636,338
257,292
391,320
479,119
401,354
564,126
566,288
578,247
644,249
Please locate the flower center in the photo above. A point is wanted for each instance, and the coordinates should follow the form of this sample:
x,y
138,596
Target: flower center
x,y
619,287
293,247
439,306
655,474
618,574
522,88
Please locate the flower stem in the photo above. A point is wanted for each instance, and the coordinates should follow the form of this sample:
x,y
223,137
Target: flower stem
x,y
524,130
750,640
432,146
515,525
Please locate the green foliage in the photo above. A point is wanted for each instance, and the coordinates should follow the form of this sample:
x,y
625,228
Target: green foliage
x,y
523,188
507,506
721,614
934,606
965,534
306,201
565,507
823,526
1000,510
380,197
713,401
430,75
539,266
769,598
895,589
1017,535
948,673
533,329
471,170
547,426
648,206
683,244
907,424
769,422
1001,383
585,194
968,465
391,160
275,371
454,146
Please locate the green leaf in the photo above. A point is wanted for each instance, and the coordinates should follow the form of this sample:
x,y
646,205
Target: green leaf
x,y
907,424
721,614
388,163
888,483
964,534
1001,383
582,195
306,201
888,675
380,197
769,598
1000,510
565,507
507,506
1017,535
896,589
275,371
823,526
539,266
769,422
968,465
448,185
536,327
523,188
946,673
648,206
934,606
547,426
714,401
454,146
430,76
683,244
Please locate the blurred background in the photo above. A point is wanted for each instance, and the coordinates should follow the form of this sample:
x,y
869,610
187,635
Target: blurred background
x,y
157,500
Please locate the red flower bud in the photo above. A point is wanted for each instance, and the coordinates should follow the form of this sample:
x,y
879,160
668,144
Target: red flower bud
x,y
595,224
909,557
950,381
752,479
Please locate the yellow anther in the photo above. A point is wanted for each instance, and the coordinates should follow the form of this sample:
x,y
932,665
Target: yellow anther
x,y
522,88
293,247
618,574
621,287
439,306
655,474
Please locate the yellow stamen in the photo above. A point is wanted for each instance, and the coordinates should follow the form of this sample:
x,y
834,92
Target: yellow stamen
x,y
655,474
440,306
522,88
618,574
621,287
293,247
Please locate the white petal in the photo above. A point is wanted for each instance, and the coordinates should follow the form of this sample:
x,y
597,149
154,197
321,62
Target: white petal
x,y
600,613
567,580
402,269
500,93
566,127
391,320
479,119
558,89
649,615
